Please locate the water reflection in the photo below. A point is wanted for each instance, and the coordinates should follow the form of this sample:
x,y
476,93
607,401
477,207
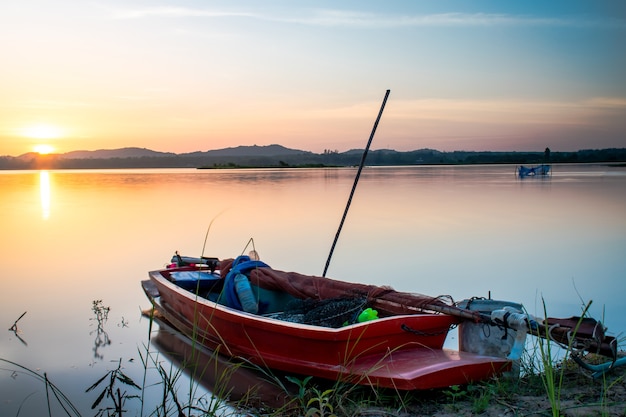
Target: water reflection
x,y
238,381
44,192
102,339
17,331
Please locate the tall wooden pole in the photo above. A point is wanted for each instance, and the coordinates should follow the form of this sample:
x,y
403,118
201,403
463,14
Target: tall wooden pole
x,y
356,180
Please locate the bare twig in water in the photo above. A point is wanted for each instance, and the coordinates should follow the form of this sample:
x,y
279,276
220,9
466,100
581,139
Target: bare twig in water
x,y
16,331
14,327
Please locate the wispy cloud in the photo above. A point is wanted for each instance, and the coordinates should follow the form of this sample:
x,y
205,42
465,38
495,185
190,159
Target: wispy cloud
x,y
51,104
511,111
176,12
355,19
618,103
370,20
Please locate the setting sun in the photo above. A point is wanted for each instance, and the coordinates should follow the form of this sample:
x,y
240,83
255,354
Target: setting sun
x,y
43,149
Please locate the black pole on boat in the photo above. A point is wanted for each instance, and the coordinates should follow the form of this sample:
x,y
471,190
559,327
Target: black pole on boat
x,y
356,180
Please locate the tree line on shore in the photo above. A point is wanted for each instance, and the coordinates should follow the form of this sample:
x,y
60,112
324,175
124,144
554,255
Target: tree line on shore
x,y
382,157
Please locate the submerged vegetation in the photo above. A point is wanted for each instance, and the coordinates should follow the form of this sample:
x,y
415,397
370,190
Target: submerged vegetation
x,y
551,384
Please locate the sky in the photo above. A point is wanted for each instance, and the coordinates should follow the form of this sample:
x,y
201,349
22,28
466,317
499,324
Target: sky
x,y
183,75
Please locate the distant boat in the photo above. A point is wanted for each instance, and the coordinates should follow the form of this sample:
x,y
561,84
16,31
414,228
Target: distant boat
x,y
542,170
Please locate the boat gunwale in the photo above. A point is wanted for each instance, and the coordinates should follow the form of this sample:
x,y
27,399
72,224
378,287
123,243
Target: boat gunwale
x,y
273,322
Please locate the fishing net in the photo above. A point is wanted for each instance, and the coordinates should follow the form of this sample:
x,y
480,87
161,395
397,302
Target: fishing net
x,y
334,297
335,313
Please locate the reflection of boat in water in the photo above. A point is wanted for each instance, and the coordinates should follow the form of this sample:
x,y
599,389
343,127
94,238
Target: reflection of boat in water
x,y
537,170
311,326
226,378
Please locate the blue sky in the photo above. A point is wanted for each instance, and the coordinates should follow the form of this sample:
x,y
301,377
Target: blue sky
x,y
182,76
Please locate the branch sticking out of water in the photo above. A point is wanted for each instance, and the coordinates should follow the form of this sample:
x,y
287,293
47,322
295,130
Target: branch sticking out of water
x,y
14,327
15,330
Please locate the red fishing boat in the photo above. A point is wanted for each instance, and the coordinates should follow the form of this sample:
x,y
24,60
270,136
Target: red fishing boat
x,y
308,325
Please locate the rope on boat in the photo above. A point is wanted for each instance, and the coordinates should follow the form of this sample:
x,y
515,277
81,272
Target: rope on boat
x,y
430,334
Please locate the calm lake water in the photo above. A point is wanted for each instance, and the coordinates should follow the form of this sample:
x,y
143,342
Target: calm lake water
x,y
72,237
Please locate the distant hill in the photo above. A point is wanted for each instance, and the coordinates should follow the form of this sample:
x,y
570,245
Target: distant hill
x,y
254,150
114,153
238,151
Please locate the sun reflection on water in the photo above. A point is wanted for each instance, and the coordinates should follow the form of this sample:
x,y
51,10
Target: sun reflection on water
x,y
44,191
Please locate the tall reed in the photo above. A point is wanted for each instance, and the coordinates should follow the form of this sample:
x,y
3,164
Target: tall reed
x,y
52,391
552,371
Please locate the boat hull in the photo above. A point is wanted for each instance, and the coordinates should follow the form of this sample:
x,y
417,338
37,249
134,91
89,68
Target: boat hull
x,y
402,351
538,170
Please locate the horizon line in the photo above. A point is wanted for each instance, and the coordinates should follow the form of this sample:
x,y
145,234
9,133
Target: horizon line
x,y
302,150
